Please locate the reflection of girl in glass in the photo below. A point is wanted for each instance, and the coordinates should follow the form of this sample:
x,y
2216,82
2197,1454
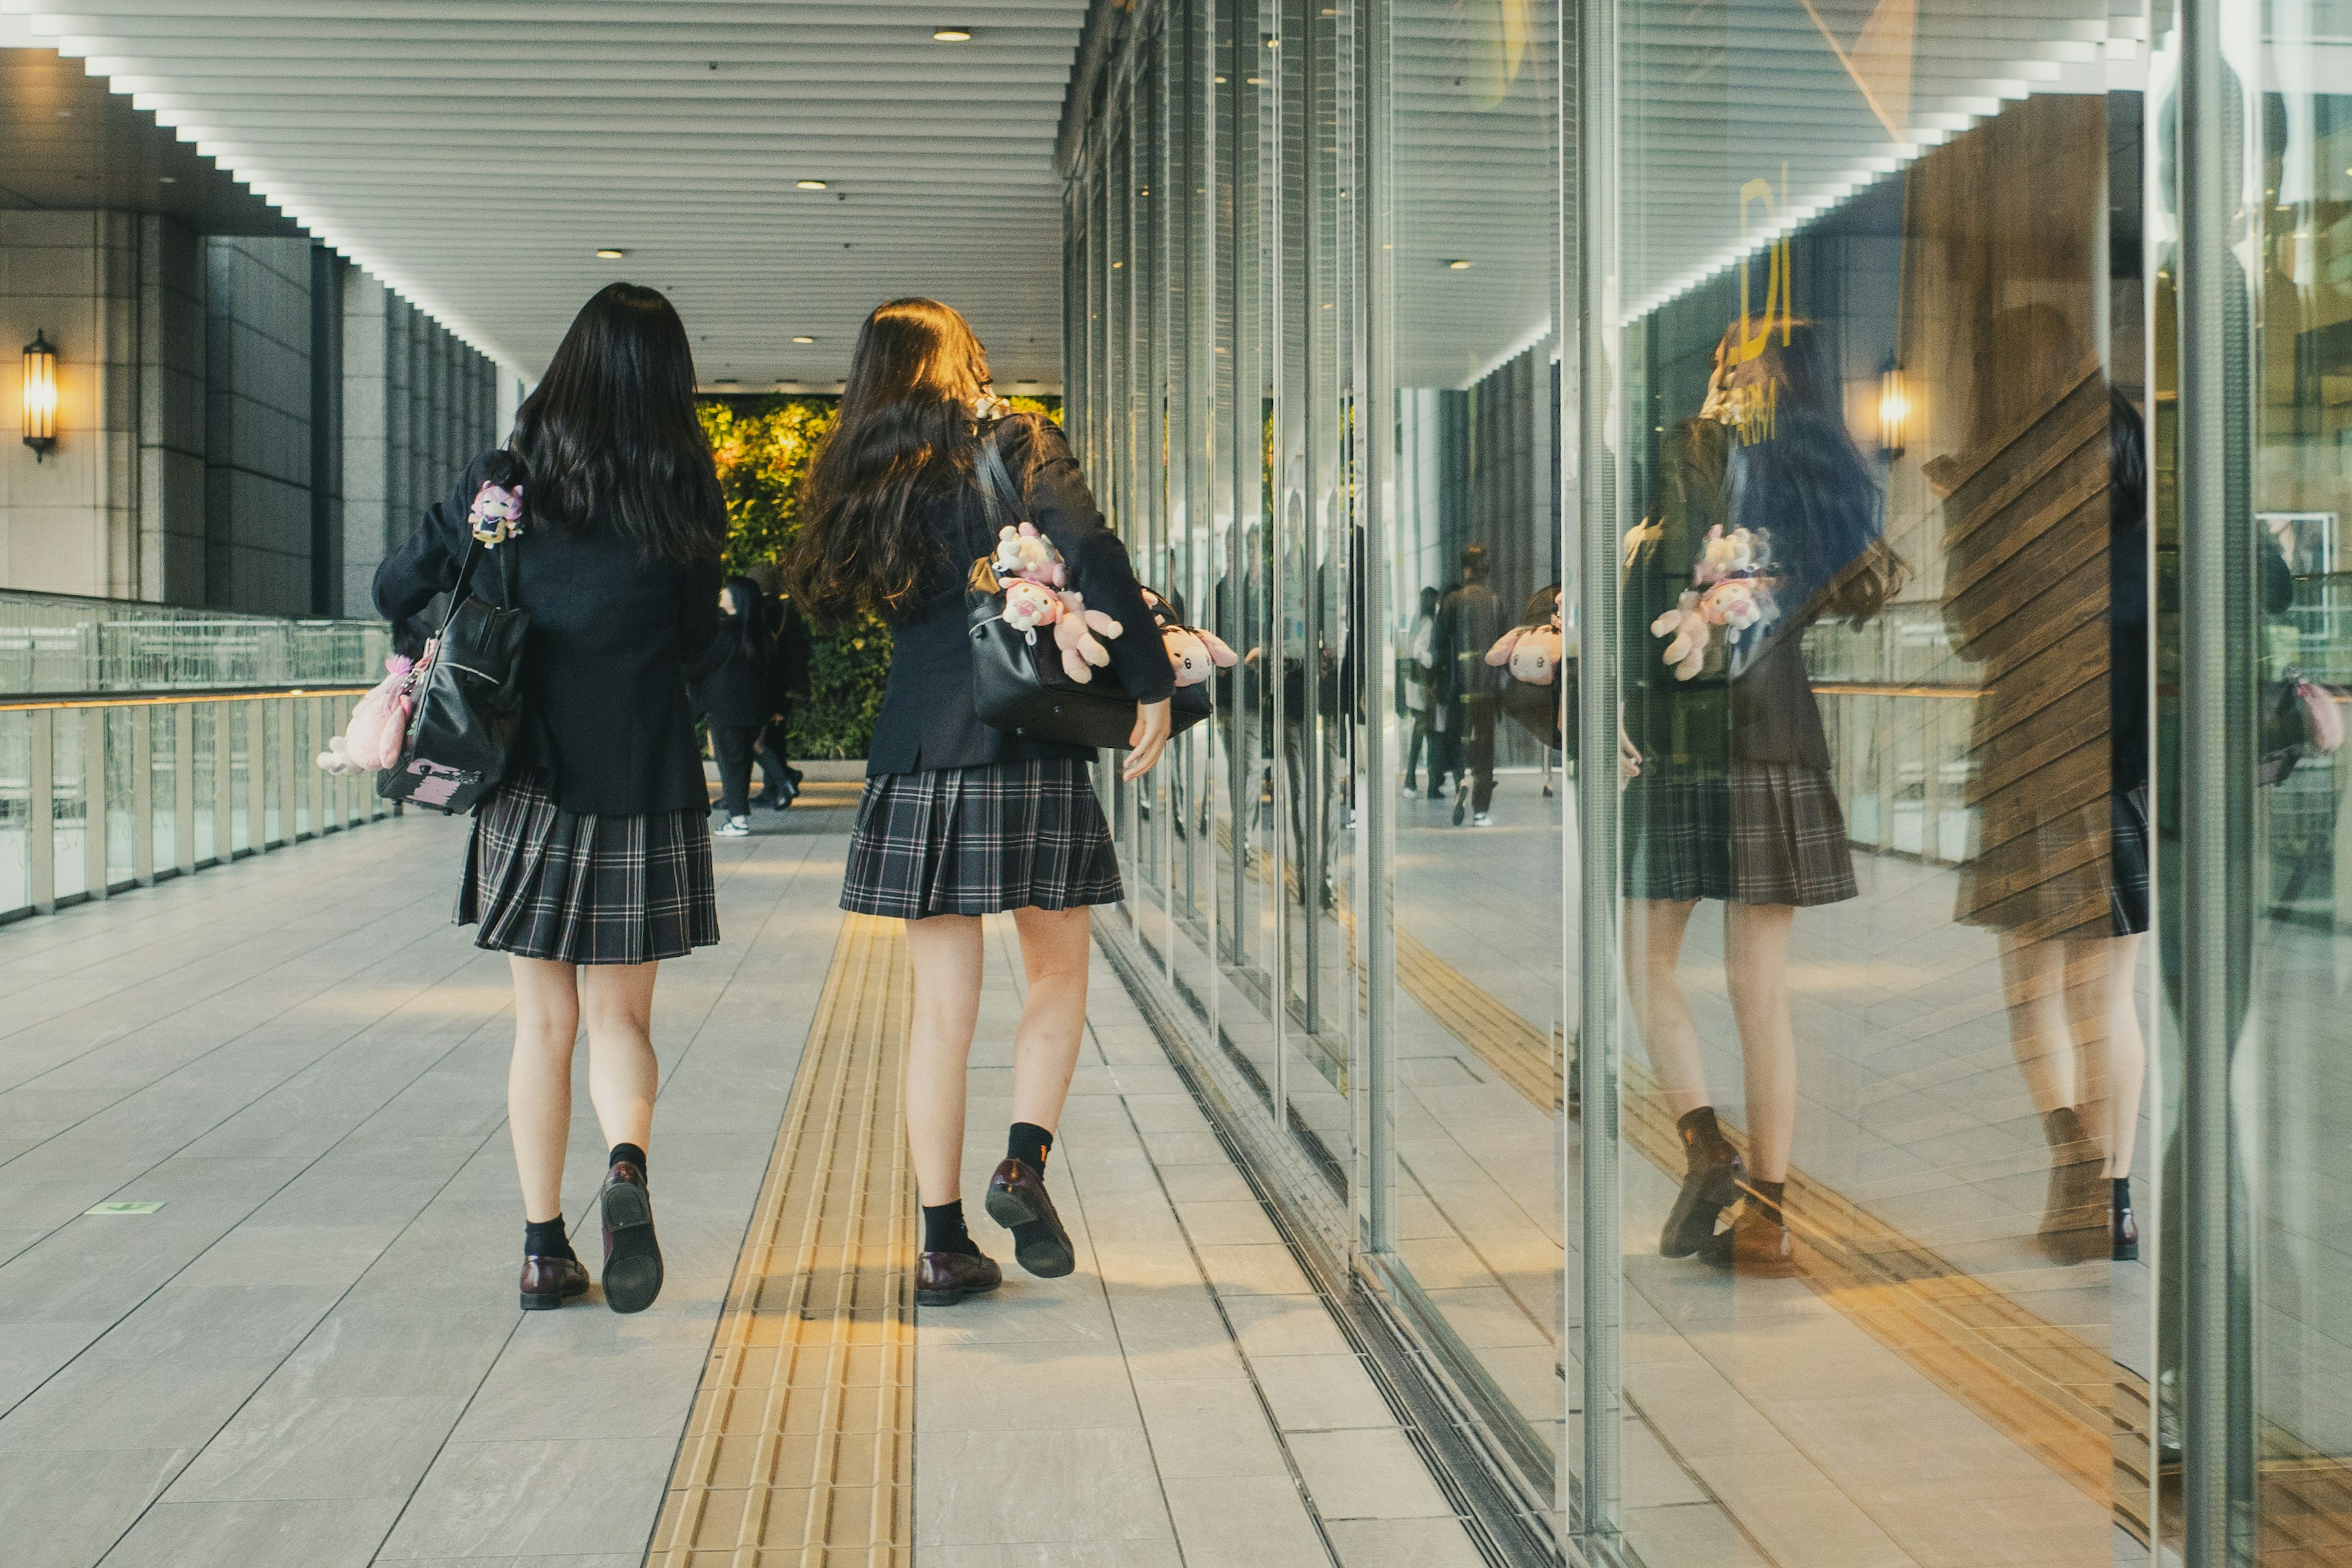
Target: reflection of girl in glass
x,y
1728,794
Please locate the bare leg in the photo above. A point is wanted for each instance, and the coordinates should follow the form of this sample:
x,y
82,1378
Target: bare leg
x,y
1755,970
1654,928
539,1080
1054,946
2033,982
623,1074
2105,1015
946,953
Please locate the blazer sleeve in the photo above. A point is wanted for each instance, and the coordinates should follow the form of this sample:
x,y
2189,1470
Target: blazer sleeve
x,y
1064,510
429,562
698,611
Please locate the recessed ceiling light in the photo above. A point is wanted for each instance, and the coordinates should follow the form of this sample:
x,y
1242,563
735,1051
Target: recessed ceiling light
x,y
953,34
610,253
1458,265
809,185
167,179
803,340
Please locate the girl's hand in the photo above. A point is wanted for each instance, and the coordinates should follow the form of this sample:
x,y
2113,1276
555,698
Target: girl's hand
x,y
1629,756
1153,724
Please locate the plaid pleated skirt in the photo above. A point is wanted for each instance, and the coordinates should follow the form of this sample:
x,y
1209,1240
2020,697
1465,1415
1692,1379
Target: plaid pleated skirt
x,y
544,883
1771,833
976,841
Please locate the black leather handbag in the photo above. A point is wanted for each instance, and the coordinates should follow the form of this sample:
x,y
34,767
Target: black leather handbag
x,y
468,696
1018,683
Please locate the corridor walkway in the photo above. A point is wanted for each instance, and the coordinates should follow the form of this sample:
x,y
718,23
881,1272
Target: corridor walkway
x,y
258,1240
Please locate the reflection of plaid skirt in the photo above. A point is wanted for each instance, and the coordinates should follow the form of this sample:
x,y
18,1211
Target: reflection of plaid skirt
x,y
974,841
1771,833
544,883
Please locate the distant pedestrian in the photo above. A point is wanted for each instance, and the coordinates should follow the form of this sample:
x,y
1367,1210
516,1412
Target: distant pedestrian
x,y
960,820
739,689
590,862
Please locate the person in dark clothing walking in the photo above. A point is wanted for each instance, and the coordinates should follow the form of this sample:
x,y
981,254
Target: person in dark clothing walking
x,y
739,690
960,820
1467,624
780,781
590,861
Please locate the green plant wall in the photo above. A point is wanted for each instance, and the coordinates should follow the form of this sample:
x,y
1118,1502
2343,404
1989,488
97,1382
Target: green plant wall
x,y
763,445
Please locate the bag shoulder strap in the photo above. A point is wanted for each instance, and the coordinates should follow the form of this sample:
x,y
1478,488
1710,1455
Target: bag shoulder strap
x,y
996,486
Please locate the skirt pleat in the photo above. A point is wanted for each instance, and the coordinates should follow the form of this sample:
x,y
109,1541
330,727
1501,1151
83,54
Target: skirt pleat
x,y
976,841
543,882
1771,833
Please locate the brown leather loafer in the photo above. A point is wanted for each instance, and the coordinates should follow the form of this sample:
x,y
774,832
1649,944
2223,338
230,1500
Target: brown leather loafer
x,y
943,1278
1755,1244
632,1260
1017,1201
548,1282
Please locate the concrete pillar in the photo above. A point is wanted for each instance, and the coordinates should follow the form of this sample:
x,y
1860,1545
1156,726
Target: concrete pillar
x,y
328,272
171,413
257,425
366,436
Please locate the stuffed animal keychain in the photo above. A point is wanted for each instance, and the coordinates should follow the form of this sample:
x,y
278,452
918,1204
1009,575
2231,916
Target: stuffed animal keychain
x,y
1193,653
1533,653
1029,605
379,725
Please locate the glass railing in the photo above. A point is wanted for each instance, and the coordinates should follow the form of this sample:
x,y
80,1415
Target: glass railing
x,y
142,741
53,644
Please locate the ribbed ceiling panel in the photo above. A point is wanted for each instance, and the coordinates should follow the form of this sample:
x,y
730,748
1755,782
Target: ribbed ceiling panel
x,y
475,153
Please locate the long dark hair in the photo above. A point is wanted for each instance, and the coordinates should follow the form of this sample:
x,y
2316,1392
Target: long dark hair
x,y
611,432
904,437
1796,470
754,634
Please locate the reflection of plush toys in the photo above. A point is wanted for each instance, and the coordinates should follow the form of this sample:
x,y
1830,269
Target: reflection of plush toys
x,y
1730,554
379,725
1533,653
1686,625
1023,551
1738,604
1194,654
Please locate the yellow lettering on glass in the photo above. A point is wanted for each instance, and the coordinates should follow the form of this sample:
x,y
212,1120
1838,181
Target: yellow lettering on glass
x,y
1779,287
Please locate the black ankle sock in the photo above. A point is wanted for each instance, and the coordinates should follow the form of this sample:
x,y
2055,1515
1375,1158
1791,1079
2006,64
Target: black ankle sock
x,y
629,1152
943,1229
1767,1196
2123,1195
1028,1142
1699,1127
544,1238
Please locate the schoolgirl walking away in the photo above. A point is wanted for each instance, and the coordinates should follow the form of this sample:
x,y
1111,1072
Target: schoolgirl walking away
x,y
739,689
590,862
960,820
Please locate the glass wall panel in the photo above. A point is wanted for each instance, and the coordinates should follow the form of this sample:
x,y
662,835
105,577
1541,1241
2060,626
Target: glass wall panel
x,y
1884,703
2284,134
1476,639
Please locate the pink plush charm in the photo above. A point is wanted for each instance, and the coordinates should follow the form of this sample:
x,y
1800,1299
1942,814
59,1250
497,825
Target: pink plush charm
x,y
1023,551
379,725
1076,635
1028,605
496,515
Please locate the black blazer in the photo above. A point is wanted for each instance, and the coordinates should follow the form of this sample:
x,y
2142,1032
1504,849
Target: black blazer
x,y
605,720
928,720
736,692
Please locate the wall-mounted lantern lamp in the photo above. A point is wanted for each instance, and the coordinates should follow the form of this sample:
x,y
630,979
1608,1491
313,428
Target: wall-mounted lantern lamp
x,y
1894,411
40,396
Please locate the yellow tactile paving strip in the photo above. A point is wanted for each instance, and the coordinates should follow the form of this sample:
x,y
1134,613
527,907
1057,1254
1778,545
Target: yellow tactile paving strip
x,y
801,1448
2041,1385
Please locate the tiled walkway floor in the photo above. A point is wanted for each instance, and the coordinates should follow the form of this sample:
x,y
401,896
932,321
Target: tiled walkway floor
x,y
309,1356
